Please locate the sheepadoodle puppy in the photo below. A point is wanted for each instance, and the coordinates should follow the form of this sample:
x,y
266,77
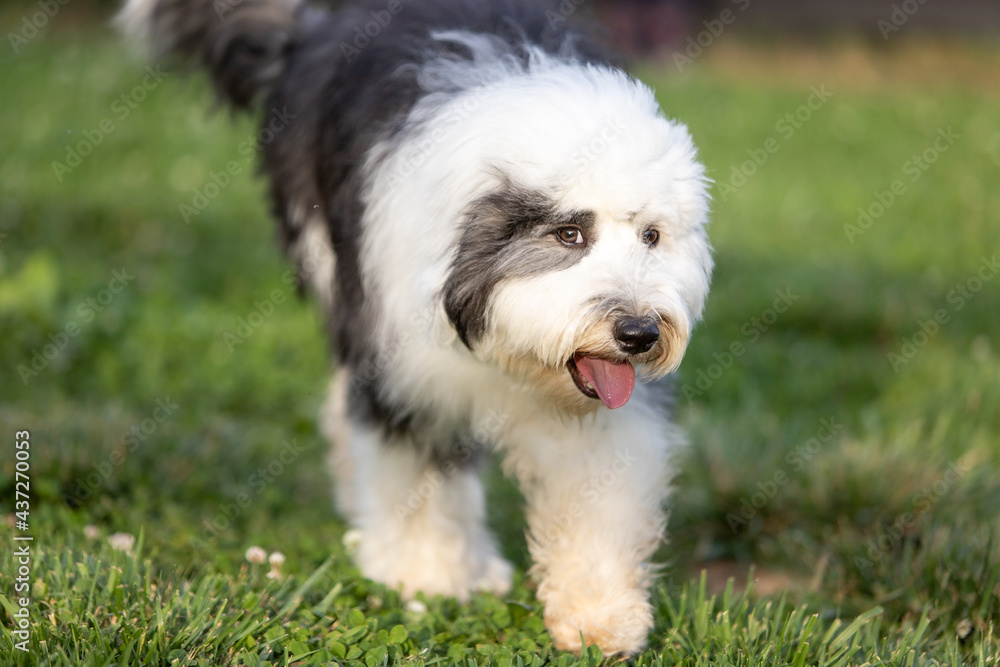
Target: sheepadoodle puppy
x,y
507,238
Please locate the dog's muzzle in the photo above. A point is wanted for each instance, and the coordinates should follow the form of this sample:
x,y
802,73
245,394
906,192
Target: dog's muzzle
x,y
611,380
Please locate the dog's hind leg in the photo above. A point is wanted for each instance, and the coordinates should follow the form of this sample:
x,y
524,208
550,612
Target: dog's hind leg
x,y
421,515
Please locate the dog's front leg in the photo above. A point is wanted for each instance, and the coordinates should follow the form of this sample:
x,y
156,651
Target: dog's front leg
x,y
595,490
420,517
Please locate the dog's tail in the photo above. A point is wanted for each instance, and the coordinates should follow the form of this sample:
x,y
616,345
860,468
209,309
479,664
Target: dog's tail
x,y
243,44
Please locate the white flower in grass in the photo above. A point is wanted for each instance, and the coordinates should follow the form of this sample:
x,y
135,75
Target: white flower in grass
x,y
256,555
122,542
416,606
91,532
277,559
351,540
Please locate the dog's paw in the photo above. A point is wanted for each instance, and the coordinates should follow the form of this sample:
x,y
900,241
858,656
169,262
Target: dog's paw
x,y
421,564
496,576
617,621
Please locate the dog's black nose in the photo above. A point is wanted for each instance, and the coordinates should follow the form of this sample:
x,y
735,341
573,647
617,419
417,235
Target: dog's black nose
x,y
636,335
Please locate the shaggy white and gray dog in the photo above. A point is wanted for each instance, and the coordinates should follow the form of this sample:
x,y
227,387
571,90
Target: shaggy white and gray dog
x,y
504,232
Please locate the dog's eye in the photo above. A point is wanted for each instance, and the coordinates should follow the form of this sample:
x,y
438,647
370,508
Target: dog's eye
x,y
570,235
651,237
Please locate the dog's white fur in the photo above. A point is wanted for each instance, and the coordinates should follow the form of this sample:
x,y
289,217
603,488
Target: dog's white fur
x,y
590,541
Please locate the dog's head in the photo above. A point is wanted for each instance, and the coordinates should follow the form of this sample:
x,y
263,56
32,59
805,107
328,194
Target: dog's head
x,y
582,260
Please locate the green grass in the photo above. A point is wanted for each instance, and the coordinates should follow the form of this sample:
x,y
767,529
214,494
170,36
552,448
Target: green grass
x,y
881,555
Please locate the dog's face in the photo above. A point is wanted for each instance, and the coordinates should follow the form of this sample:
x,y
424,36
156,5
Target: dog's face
x,y
583,262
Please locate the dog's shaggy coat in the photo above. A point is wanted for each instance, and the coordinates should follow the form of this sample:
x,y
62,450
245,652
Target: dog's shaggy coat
x,y
502,229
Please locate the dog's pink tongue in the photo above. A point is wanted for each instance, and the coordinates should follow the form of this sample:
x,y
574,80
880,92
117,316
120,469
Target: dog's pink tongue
x,y
612,380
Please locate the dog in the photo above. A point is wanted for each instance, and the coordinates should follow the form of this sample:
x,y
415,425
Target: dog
x,y
503,231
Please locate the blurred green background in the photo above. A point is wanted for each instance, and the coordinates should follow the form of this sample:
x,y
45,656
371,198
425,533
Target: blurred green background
x,y
842,396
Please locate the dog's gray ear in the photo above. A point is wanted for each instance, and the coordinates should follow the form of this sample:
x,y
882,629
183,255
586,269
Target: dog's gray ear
x,y
243,44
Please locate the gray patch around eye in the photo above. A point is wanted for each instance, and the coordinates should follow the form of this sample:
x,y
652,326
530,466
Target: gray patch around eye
x,y
508,233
